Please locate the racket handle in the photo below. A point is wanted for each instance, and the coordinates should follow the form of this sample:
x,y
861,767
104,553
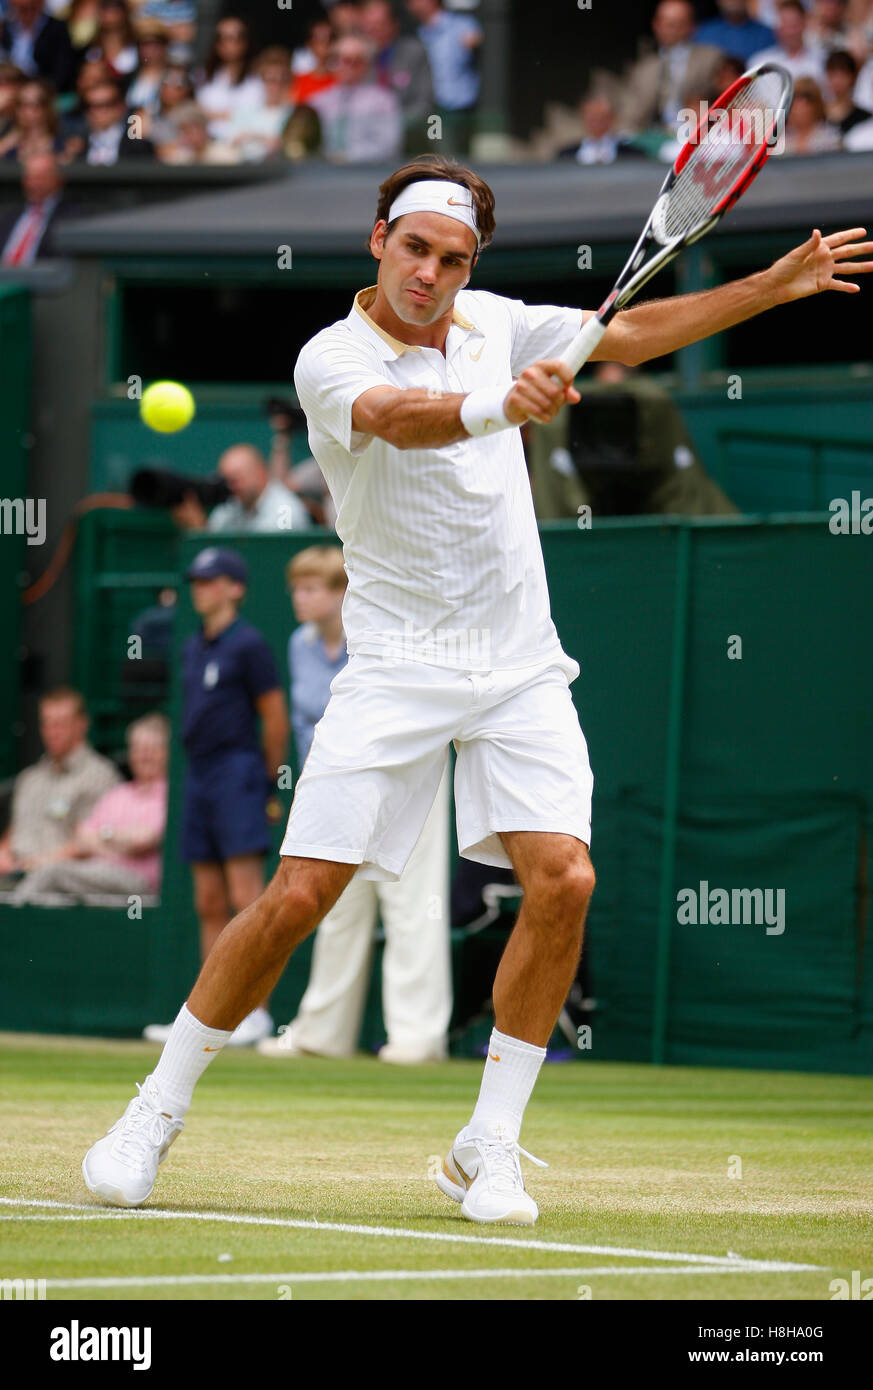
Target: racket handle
x,y
582,346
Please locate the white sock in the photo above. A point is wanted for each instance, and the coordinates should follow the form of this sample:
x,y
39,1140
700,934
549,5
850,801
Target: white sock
x,y
511,1070
187,1053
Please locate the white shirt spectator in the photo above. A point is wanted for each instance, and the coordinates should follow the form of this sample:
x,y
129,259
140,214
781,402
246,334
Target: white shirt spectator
x,y
221,99
277,509
808,63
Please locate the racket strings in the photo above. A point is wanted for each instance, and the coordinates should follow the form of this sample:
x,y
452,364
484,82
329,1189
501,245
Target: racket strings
x,y
726,145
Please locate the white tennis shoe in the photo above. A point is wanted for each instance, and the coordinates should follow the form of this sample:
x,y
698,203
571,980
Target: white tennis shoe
x,y
483,1173
122,1166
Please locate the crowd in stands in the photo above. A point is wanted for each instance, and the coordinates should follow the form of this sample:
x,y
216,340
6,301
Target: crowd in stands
x,y
103,81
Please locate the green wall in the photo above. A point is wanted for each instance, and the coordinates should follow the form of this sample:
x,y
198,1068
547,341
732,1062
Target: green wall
x,y
15,554
744,773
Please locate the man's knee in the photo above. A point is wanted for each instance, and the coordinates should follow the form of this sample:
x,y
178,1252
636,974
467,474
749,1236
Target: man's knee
x,y
563,889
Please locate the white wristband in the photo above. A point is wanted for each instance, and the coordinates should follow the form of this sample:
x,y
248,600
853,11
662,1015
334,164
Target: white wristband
x,y
482,410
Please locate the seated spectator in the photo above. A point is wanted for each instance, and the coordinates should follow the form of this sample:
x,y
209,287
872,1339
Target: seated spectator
x,y
807,130
116,847
345,17
11,79
727,72
360,121
255,132
231,84
655,88
26,232
82,18
37,43
190,141
452,42
842,111
35,129
74,123
735,32
792,48
144,92
310,68
401,64
177,90
60,790
600,143
827,28
258,502
115,41
863,95
301,136
110,137
177,17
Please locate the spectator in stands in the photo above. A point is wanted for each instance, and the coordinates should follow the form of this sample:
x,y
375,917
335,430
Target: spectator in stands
x,y
11,79
258,502
416,976
827,28
727,72
401,64
305,478
360,120
116,848
178,18
75,123
600,144
35,129
177,90
26,232
735,32
144,92
190,141
115,41
451,41
843,113
310,65
230,686
231,84
807,130
255,132
110,137
864,86
345,17
82,18
52,796
37,43
301,137
792,49
655,89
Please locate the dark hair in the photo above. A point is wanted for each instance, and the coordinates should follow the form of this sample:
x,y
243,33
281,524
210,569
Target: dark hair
x,y
47,91
213,63
437,166
839,58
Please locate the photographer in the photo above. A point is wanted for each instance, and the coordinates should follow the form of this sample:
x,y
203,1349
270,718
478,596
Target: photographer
x,y
257,502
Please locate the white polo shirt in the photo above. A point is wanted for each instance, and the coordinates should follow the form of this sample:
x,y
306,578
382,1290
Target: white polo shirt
x,y
441,545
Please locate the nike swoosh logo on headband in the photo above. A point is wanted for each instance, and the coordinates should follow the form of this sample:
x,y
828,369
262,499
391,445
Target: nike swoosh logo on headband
x,y
456,203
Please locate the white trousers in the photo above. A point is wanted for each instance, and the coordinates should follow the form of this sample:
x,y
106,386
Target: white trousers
x,y
416,963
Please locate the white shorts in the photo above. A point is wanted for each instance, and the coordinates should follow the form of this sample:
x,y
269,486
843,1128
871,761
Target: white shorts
x,y
380,749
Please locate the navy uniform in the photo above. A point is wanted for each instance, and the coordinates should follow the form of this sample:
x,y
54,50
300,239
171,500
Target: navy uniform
x,y
227,786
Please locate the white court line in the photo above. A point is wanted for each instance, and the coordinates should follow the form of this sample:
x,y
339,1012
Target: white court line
x,y
156,1281
395,1233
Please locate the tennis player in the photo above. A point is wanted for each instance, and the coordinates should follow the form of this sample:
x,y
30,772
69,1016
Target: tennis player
x,y
414,403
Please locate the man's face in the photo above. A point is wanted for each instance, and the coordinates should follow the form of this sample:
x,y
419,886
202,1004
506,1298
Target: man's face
x,y
313,600
40,179
841,81
378,23
596,117
104,108
424,262
33,106
421,9
244,474
352,62
62,727
734,9
209,596
194,135
790,28
25,11
830,13
673,22
147,754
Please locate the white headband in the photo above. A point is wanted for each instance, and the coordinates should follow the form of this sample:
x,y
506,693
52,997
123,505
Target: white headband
x,y
437,195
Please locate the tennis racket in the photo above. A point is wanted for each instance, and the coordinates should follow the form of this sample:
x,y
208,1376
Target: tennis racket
x,y
730,145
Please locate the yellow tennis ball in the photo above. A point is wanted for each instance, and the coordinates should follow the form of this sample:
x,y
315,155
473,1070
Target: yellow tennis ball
x,y
166,406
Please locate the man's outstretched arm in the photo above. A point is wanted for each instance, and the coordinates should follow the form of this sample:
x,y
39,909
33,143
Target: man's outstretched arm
x,y
664,325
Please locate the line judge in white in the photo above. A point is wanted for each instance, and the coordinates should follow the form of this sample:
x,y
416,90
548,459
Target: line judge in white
x,y
413,403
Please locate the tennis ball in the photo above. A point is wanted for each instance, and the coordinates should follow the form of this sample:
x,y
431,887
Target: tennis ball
x,y
166,406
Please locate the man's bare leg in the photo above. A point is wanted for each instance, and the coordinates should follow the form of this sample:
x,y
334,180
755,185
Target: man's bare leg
x,y
244,875
542,954
535,972
252,951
